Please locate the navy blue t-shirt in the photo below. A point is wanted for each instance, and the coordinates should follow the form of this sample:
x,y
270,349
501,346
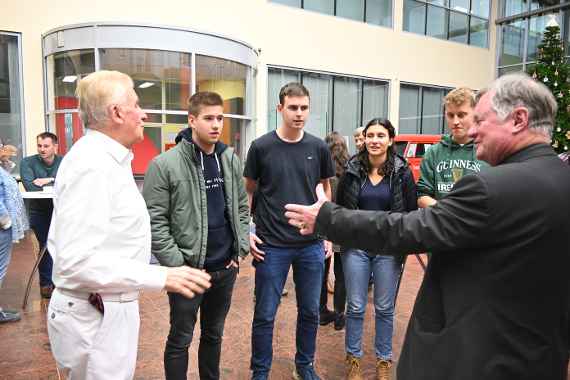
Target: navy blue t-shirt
x,y
285,172
220,234
375,197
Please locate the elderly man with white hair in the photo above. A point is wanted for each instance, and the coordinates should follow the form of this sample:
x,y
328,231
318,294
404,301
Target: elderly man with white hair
x,y
100,239
494,301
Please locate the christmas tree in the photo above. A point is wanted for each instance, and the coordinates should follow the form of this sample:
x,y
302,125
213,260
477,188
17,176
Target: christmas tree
x,y
552,70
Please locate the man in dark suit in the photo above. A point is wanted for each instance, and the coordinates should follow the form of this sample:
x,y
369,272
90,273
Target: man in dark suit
x,y
494,301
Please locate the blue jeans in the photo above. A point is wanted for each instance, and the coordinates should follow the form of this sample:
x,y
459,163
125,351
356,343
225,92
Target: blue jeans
x,y
357,266
40,224
270,277
5,251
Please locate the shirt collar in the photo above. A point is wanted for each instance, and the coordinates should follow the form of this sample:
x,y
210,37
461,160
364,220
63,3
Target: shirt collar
x,y
115,149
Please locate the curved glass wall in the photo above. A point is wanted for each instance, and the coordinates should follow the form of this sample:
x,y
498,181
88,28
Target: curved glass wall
x,y
167,67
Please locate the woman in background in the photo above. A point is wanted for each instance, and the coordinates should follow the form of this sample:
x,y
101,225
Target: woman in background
x,y
13,221
375,179
339,152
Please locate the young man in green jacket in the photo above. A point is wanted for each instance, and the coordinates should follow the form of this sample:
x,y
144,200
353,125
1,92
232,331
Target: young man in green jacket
x,y
199,213
454,156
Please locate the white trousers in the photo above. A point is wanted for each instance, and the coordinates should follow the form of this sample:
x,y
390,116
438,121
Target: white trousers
x,y
89,346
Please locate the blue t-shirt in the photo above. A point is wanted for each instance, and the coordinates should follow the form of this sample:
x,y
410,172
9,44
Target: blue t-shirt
x,y
375,197
285,172
220,234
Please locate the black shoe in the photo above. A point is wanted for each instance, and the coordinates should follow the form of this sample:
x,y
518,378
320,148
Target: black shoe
x,y
305,373
9,316
339,322
326,316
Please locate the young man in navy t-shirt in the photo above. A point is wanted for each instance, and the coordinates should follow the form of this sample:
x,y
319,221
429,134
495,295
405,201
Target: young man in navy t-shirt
x,y
284,166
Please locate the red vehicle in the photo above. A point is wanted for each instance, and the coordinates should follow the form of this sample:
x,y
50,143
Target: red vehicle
x,y
413,148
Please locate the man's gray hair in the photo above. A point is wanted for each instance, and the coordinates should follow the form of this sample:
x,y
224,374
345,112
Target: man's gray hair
x,y
520,90
99,90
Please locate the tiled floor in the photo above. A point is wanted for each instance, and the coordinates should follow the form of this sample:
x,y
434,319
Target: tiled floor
x,y
25,353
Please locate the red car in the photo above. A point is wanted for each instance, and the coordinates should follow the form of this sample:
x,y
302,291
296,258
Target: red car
x,y
413,148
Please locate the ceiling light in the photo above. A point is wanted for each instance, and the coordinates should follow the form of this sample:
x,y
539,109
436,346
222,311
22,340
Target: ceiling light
x,y
69,78
146,85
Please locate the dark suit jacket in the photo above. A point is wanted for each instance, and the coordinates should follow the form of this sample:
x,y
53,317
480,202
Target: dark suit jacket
x,y
494,300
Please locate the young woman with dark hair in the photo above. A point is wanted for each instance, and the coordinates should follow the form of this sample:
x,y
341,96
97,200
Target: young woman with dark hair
x,y
375,179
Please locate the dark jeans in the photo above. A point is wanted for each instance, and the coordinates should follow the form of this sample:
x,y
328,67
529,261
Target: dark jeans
x,y
270,277
214,305
40,224
339,297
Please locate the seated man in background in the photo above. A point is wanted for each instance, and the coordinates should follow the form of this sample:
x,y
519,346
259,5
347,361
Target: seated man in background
x,y
36,172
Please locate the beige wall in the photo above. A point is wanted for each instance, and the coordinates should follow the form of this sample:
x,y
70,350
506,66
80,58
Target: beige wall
x,y
286,36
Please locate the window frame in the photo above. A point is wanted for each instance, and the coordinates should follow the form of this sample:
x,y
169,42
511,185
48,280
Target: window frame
x,y
333,76
447,11
335,13
97,36
421,88
20,79
561,11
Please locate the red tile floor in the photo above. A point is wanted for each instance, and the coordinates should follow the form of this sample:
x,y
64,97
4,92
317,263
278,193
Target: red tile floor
x,y
25,352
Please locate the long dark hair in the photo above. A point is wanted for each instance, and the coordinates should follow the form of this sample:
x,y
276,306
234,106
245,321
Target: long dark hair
x,y
339,151
388,165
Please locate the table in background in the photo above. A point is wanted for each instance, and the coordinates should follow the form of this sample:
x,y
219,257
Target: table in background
x,y
42,252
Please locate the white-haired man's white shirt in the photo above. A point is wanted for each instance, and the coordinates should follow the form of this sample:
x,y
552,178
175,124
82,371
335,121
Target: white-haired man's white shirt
x,y
100,241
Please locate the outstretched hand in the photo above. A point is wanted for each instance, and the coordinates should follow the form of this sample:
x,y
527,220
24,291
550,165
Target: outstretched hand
x,y
187,281
304,217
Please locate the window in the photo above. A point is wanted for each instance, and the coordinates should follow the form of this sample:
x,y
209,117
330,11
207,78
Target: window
x,y
11,101
163,80
353,9
458,27
292,3
377,12
509,8
421,109
64,70
463,21
338,103
519,37
322,6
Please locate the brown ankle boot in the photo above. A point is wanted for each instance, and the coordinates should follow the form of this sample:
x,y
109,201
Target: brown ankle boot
x,y
353,368
383,369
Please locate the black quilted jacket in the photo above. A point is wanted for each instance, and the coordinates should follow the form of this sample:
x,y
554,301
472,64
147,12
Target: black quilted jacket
x,y
402,186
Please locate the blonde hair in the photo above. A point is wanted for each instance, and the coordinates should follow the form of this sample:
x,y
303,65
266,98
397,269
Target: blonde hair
x,y
460,96
99,90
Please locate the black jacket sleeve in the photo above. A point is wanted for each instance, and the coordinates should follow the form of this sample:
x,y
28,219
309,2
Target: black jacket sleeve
x,y
409,191
457,221
341,190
